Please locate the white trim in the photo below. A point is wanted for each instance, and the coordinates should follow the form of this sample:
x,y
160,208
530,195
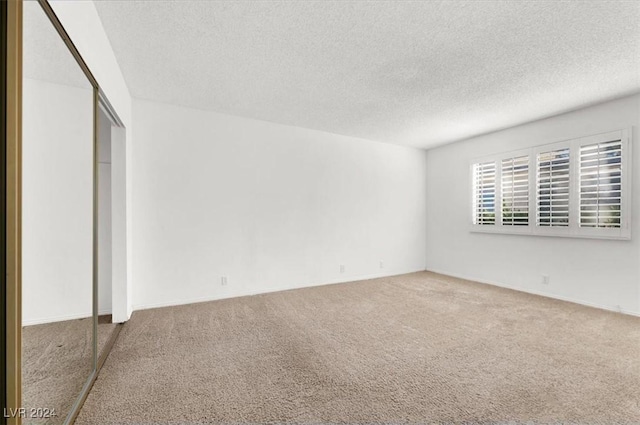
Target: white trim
x,y
108,109
498,193
120,226
524,232
269,290
539,293
65,317
53,319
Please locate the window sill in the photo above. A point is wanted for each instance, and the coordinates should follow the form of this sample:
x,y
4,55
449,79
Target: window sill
x,y
585,233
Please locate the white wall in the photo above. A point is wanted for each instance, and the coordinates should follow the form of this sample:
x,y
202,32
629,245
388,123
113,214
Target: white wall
x,y
121,238
104,215
82,22
601,273
57,202
104,239
269,206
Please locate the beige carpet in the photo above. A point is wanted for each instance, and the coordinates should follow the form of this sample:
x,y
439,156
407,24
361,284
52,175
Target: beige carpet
x,y
57,359
413,348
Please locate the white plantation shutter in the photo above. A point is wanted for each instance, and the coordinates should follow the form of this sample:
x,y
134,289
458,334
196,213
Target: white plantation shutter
x,y
552,186
515,191
601,184
484,188
573,188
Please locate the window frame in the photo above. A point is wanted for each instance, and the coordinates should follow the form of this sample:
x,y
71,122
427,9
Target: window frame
x,y
573,230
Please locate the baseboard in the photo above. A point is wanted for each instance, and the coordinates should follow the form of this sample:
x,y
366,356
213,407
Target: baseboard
x,y
540,293
44,320
269,290
53,319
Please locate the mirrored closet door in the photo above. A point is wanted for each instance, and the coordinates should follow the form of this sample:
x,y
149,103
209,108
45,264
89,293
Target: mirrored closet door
x,y
61,137
58,333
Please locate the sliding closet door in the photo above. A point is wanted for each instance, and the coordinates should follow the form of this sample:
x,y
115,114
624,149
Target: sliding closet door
x,y
58,351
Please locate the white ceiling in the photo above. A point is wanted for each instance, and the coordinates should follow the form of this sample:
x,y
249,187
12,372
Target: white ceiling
x,y
44,54
418,73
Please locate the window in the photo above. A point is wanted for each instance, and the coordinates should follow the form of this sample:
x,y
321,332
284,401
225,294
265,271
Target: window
x,y
553,188
575,188
485,193
601,184
515,191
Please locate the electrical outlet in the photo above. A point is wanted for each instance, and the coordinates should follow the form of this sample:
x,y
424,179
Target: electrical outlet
x,y
545,279
381,264
223,280
341,268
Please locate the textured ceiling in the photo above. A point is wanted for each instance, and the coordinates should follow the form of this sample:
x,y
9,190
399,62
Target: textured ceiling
x,y
45,56
405,72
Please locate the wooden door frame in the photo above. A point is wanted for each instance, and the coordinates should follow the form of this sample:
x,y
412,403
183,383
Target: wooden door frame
x,y
13,209
3,287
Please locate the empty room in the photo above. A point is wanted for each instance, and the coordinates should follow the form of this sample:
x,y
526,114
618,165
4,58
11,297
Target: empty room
x,y
320,212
